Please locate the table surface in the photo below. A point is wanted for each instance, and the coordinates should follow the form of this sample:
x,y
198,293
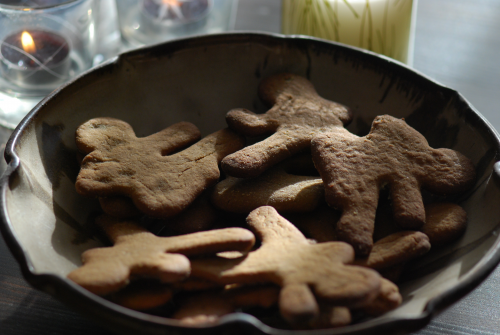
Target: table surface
x,y
457,43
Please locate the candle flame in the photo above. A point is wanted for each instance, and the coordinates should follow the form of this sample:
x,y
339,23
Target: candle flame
x,y
173,3
28,43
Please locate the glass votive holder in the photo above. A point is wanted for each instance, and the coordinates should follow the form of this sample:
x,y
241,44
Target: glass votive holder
x,y
383,26
43,43
146,22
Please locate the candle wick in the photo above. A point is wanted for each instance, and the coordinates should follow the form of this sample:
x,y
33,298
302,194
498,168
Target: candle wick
x,y
34,59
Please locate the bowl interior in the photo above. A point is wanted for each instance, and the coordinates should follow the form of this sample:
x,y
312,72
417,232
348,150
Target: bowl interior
x,y
200,80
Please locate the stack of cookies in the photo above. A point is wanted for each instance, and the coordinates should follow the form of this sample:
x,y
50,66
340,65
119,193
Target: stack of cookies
x,y
309,228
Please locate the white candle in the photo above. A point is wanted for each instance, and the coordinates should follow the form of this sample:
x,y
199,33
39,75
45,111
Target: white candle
x,y
382,26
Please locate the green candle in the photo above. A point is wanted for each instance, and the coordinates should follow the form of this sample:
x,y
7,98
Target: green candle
x,y
382,26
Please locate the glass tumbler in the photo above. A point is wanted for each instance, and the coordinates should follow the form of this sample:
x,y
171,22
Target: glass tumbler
x,y
145,22
43,44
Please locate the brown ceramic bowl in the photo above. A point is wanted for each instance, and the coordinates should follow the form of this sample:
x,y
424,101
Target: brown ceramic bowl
x,y
199,80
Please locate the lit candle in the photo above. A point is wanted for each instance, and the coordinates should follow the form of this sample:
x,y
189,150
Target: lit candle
x,y
175,12
34,58
382,26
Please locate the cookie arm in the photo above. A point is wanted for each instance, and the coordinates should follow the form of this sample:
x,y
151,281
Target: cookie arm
x,y
173,138
253,160
396,249
212,241
449,173
407,202
248,123
219,270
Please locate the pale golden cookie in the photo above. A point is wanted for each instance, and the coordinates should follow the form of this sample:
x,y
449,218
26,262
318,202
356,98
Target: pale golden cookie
x,y
288,259
388,299
285,187
138,253
161,183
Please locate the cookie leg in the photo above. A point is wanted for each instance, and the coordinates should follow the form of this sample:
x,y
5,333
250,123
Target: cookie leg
x,y
356,226
297,304
408,206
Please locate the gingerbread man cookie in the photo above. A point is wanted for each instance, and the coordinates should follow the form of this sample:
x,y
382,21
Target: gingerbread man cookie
x,y
285,187
354,169
208,307
142,295
297,114
288,259
444,222
396,249
137,252
160,183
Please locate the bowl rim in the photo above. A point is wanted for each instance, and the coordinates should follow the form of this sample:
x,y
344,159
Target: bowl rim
x,y
102,310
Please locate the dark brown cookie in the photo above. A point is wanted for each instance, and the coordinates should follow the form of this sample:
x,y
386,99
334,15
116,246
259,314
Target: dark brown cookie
x,y
354,169
297,114
395,249
444,223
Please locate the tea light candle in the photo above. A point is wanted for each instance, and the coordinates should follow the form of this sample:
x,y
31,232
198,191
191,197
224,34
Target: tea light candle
x,y
33,58
175,12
